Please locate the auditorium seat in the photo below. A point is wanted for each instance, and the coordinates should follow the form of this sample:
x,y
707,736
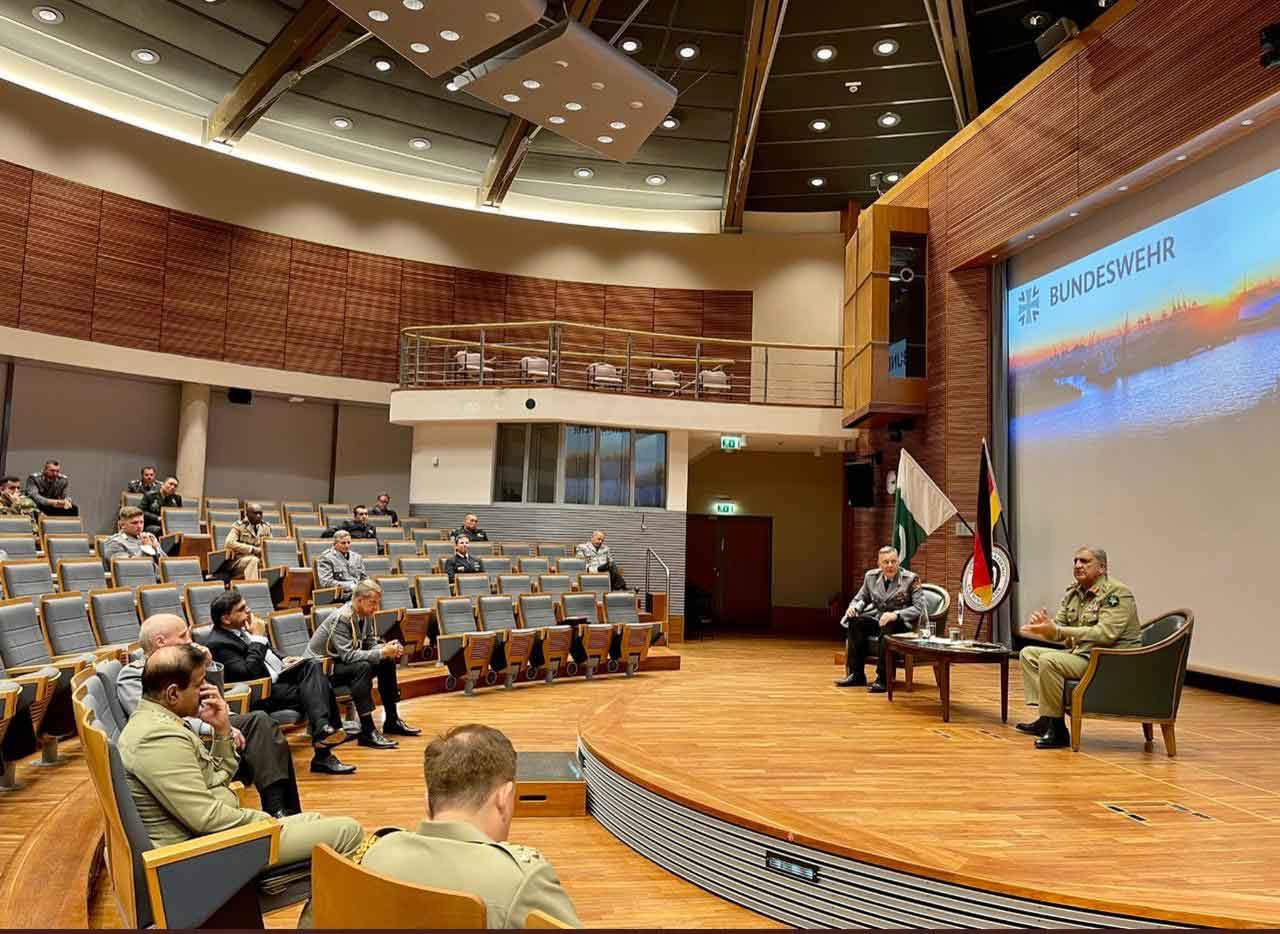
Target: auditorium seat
x,y
223,517
534,566
438,551
310,533
591,638
24,546
218,532
196,600
280,552
415,522
26,577
296,519
333,513
154,599
67,627
411,566
431,587
61,525
291,583
180,571
290,506
82,574
462,648
57,547
16,525
319,614
130,499
423,535
555,641
515,647
365,547
289,633
494,566
594,583
471,585
389,533
398,602
515,549
514,584
36,691
180,520
570,566
114,615
554,584
275,519
257,596
133,572
223,503
401,549
314,548
554,549
631,638
481,550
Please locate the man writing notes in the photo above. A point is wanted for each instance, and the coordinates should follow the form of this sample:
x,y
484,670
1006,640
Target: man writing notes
x,y
889,601
1097,611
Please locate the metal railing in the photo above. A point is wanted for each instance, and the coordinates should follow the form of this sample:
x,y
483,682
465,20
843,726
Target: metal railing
x,y
585,356
649,554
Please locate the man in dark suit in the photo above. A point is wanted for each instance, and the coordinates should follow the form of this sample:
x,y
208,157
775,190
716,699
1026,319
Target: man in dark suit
x,y
461,562
238,641
358,525
383,508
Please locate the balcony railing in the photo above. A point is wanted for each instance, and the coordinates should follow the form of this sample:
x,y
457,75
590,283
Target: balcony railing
x,y
645,363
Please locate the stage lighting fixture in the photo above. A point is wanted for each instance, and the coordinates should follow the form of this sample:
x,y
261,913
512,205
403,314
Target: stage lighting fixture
x,y
1048,41
1271,46
603,99
452,31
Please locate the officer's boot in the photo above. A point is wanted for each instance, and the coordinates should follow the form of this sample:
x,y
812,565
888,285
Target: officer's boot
x,y
1056,736
1035,728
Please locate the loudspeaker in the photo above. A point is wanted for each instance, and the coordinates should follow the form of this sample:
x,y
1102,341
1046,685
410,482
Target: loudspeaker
x,y
240,396
860,484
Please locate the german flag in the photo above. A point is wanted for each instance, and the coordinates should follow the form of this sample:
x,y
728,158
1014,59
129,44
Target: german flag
x,y
985,527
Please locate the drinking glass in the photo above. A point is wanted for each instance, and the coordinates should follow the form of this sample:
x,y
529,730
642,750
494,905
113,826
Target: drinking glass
x,y
955,634
926,629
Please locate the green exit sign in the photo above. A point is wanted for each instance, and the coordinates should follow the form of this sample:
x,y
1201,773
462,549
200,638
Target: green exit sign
x,y
726,509
733,442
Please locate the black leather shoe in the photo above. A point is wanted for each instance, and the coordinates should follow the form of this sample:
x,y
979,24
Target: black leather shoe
x,y
1035,728
398,727
854,680
877,688
331,765
1056,737
376,740
329,736
281,815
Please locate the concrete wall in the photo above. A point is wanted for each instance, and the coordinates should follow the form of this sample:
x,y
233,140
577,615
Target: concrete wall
x,y
272,450
373,457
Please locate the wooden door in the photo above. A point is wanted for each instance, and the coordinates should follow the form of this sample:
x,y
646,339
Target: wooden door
x,y
731,558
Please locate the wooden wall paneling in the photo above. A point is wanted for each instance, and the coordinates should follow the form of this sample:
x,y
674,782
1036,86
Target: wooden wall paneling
x,y
15,206
727,314
480,297
932,452
581,303
426,294
1164,74
197,272
677,311
128,300
371,328
257,298
529,299
61,257
632,308
1018,171
317,300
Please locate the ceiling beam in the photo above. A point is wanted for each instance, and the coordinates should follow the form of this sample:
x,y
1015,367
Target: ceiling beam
x,y
764,28
518,134
302,40
951,36
964,58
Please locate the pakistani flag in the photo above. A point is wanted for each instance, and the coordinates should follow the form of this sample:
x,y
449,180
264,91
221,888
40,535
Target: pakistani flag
x,y
919,508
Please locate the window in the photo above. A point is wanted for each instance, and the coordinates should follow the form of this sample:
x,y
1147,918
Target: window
x,y
544,455
579,464
615,467
599,466
651,468
508,474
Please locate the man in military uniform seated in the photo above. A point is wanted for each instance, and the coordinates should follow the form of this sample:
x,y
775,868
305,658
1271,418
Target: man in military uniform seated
x,y
462,562
14,503
383,508
341,567
599,558
164,496
132,540
889,601
1097,611
48,490
358,526
470,528
350,637
244,544
147,484
461,846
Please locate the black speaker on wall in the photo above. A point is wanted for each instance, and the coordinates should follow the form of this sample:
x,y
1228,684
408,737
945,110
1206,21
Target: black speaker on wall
x,y
860,484
240,396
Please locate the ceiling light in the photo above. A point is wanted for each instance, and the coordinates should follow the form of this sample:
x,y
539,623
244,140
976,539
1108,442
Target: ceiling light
x,y
448,35
379,16
820,125
531,84
556,119
583,172
853,87
655,180
1246,122
296,399
604,139
1074,214
414,5
670,122
885,46
824,53
341,122
383,64
688,51
817,181
145,56
47,15
573,106
420,143
597,85
511,98
1124,188
893,177
629,45
1036,19
617,125
420,47
888,119
1031,236
451,85
493,17
1182,158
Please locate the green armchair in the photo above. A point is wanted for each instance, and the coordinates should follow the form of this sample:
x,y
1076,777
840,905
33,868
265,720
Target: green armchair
x,y
1142,684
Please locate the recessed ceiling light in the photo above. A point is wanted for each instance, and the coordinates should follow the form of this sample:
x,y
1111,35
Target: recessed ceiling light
x,y
885,46
1074,214
1246,122
824,53
296,399
511,98
1124,188
888,119
688,51
493,17
531,84
853,87
379,16
145,56
451,85
893,177
1036,19
629,45
47,15
820,125
817,181
604,139
420,47
341,123
573,106
414,5
383,64
637,105
655,180
583,172
556,119
1103,4
597,85
448,35
617,125
1182,158
420,143
1031,236
670,122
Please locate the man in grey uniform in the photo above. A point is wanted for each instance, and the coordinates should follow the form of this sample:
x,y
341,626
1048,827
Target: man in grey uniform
x,y
890,600
131,541
339,566
48,490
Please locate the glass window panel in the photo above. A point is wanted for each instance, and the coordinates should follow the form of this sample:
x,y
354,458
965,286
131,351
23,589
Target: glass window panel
x,y
508,474
651,468
544,450
615,467
579,464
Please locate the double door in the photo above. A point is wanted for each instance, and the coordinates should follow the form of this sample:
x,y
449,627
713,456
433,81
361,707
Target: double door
x,y
731,559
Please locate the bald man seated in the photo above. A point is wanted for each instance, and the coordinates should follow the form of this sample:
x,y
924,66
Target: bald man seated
x,y
264,753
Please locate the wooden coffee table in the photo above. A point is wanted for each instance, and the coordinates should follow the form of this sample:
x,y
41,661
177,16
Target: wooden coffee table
x,y
942,655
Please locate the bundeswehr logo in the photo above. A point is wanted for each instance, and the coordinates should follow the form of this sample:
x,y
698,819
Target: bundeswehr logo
x,y
1029,306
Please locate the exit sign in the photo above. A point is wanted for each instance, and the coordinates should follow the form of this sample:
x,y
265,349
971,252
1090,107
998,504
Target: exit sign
x,y
726,509
733,442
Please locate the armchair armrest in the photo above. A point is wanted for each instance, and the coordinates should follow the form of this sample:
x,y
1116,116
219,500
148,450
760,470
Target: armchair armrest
x,y
258,688
238,698
189,881
272,576
216,559
169,543
241,793
71,664
1136,682
326,595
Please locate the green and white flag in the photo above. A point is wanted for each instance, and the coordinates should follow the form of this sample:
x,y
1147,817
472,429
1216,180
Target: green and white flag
x,y
919,507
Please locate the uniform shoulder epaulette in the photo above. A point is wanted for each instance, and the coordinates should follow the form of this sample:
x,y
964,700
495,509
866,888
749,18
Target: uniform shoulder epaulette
x,y
523,854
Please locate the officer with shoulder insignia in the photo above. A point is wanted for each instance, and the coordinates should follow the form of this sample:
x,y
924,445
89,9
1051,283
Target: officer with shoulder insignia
x,y
889,601
1097,611
244,545
471,798
462,562
341,567
48,490
14,503
148,482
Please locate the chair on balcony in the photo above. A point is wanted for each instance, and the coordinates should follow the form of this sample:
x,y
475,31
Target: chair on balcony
x,y
604,376
662,380
713,381
467,366
535,370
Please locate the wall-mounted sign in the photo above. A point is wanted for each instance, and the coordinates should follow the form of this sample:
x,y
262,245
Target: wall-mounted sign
x,y
733,442
898,359
726,509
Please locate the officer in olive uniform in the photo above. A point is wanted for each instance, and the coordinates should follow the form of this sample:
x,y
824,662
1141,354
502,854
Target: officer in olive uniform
x,y
1097,611
244,542
48,489
148,483
470,773
462,562
164,496
890,600
14,503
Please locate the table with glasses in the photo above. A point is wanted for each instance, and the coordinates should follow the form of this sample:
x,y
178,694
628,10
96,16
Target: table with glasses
x,y
942,654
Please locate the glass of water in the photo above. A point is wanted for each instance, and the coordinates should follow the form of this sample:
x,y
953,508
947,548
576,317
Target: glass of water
x,y
926,628
954,634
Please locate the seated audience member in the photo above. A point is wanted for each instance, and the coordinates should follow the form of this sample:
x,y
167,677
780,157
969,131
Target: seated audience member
x,y
339,566
164,497
383,508
358,525
471,529
461,562
244,543
132,540
238,642
183,790
264,753
48,490
462,845
1097,611
14,503
599,558
350,637
889,601
148,482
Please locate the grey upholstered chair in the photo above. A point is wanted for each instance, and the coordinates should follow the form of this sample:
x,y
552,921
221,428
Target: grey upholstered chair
x,y
554,584
463,649
401,549
197,598
82,574
154,599
534,566
496,565
471,585
289,633
594,583
482,549
180,571
19,546
438,551
497,613
26,577
517,549
57,547
66,623
365,547
570,566
114,615
257,594
411,566
537,612
377,565
15,525
61,525
514,584
578,605
431,587
133,572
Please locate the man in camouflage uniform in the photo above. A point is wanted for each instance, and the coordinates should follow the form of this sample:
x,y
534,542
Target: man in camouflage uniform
x,y
48,489
244,544
462,845
339,566
148,482
13,503
889,601
350,637
1097,611
162,497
